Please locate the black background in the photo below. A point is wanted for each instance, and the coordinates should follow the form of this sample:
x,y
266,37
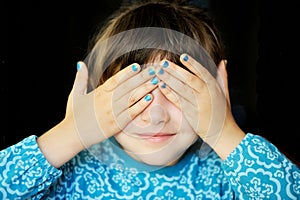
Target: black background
x,y
41,41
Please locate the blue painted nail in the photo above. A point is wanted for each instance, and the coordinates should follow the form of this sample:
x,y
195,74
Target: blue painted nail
x,y
78,66
154,81
161,71
185,58
151,71
164,85
165,64
134,68
148,97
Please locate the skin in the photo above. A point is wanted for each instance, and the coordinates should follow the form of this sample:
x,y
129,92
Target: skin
x,y
204,101
194,97
159,135
84,124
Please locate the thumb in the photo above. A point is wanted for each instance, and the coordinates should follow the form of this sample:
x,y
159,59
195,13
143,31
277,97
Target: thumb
x,y
81,80
223,78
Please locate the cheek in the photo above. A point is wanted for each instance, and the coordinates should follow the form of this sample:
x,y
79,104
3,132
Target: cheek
x,y
175,113
179,120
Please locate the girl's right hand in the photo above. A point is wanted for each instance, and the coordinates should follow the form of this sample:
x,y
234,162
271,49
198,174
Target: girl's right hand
x,y
106,110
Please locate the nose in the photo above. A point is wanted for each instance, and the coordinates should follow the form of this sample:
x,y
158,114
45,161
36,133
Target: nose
x,y
157,112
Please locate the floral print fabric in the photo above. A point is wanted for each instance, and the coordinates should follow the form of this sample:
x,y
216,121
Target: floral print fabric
x,y
254,170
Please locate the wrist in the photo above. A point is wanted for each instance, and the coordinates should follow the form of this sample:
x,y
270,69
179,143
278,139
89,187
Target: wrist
x,y
227,140
60,144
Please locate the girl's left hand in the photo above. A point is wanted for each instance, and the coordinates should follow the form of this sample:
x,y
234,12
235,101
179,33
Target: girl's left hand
x,y
203,99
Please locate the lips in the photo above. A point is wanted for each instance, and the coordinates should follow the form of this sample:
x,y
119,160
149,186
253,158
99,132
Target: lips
x,y
156,137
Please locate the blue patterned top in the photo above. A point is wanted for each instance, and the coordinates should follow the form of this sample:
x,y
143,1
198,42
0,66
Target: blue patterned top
x,y
254,170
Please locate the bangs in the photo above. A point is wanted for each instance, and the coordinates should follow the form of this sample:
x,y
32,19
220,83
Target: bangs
x,y
147,56
142,45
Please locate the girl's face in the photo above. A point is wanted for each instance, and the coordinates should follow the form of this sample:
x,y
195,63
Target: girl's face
x,y
159,135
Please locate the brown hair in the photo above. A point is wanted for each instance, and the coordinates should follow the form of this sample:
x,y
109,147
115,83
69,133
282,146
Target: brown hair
x,y
187,19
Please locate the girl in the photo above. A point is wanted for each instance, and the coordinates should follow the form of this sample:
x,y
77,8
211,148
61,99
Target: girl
x,y
149,118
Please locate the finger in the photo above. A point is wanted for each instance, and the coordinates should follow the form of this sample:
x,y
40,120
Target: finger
x,y
189,109
170,69
129,114
170,94
132,97
178,100
81,80
121,76
134,82
181,88
195,67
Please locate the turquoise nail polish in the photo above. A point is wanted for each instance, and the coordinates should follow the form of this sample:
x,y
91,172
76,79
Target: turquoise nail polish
x,y
165,64
154,81
161,71
164,85
185,58
148,97
134,68
78,66
151,71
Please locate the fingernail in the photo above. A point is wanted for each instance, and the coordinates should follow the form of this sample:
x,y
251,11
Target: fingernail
x,y
225,62
165,64
164,85
147,97
161,71
134,68
154,81
78,66
151,71
185,58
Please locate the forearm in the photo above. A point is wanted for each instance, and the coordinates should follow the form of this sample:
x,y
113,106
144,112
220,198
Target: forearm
x,y
60,144
225,142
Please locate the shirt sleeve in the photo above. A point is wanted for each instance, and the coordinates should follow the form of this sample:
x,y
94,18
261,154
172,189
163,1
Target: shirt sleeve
x,y
24,171
256,169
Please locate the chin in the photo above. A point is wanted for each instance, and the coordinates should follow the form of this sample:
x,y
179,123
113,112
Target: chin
x,y
158,159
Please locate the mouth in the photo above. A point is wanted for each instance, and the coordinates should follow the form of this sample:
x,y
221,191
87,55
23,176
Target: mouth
x,y
156,137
